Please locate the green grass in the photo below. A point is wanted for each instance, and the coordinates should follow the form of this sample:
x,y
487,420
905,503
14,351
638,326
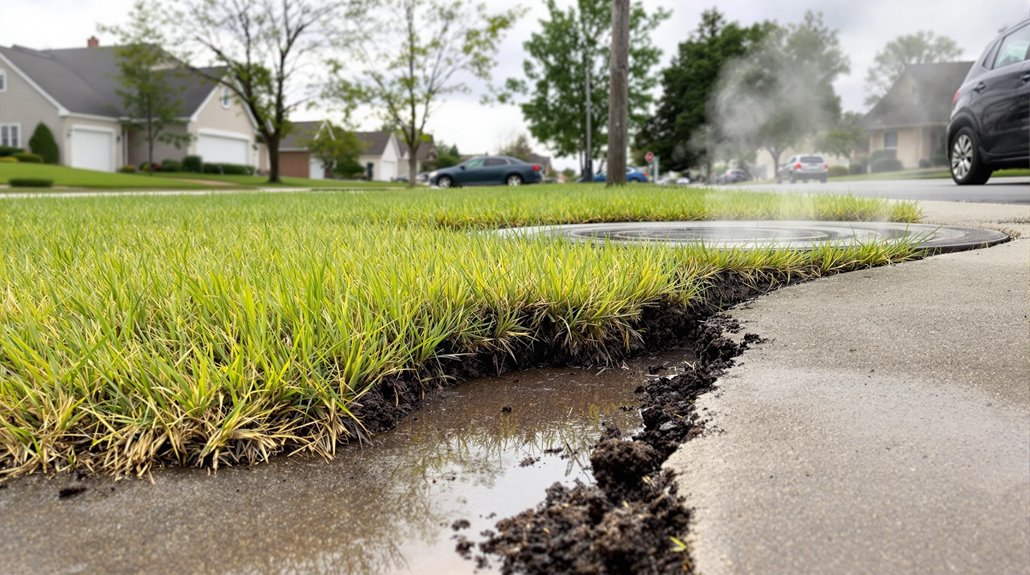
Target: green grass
x,y
204,330
262,181
88,179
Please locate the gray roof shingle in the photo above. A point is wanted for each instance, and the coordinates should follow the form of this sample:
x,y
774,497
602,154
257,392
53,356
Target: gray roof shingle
x,y
374,143
920,97
85,80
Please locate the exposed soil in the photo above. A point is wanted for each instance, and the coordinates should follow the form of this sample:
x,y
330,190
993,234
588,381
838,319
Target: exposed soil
x,y
629,520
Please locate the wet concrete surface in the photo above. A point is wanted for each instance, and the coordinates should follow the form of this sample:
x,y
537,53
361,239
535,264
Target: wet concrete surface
x,y
995,191
386,508
882,428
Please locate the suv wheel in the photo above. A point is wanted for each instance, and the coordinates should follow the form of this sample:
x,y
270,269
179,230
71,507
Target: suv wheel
x,y
967,167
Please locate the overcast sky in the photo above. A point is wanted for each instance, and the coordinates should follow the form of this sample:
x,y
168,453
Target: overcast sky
x,y
864,28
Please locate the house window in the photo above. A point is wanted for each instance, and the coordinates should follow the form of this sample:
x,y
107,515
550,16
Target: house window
x,y
890,140
3,80
10,135
226,98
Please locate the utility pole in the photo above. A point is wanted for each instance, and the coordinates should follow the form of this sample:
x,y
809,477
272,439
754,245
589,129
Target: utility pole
x,y
618,100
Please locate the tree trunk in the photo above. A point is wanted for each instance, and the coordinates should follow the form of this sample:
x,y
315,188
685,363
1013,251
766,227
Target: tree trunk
x,y
273,160
618,100
413,162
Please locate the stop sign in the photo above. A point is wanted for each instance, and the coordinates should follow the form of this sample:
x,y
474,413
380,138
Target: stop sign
x,y
649,157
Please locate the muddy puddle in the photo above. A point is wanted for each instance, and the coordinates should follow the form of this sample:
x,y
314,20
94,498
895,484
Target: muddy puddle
x,y
478,452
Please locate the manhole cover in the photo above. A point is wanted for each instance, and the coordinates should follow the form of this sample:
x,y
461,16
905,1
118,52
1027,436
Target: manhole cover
x,y
766,234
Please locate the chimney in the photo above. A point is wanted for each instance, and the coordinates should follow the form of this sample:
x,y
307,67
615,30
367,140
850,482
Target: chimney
x,y
93,42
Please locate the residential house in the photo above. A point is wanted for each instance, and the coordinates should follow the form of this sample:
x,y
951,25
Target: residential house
x,y
426,153
74,92
912,118
295,159
543,161
381,155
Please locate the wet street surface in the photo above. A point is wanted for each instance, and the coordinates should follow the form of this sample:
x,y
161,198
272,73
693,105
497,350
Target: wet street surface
x,y
478,452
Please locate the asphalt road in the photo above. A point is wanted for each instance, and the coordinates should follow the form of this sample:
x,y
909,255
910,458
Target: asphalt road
x,y
996,191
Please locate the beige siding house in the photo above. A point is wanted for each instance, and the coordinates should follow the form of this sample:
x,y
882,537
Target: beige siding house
x,y
381,155
912,118
74,92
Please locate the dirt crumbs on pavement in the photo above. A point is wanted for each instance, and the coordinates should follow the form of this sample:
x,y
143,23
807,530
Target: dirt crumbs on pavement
x,y
632,520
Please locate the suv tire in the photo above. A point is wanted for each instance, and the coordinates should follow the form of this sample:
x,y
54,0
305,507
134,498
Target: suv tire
x,y
967,166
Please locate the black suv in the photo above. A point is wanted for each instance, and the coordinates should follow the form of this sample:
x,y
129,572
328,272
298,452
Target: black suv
x,y
990,116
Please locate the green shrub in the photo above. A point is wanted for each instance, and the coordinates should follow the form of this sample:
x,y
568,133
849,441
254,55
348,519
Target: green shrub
x,y
6,151
859,167
171,166
42,142
127,169
882,154
8,160
838,171
193,164
880,165
229,169
31,183
237,170
27,158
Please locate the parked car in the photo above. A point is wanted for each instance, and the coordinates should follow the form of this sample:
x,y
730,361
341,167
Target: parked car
x,y
803,167
684,181
487,171
633,176
990,113
733,176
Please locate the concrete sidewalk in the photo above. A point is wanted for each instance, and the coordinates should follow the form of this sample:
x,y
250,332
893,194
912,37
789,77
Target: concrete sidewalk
x,y
884,427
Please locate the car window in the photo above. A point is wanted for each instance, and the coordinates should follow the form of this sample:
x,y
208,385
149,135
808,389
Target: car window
x,y
812,159
476,163
1013,48
495,162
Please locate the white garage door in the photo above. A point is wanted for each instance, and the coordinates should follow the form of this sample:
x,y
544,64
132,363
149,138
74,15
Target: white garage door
x,y
93,150
223,149
316,170
389,171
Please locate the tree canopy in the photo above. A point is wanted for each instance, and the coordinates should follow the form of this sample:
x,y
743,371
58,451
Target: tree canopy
x,y
923,47
782,93
147,76
567,43
681,127
261,47
404,56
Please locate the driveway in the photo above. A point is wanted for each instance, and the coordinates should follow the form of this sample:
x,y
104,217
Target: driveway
x,y
997,190
883,427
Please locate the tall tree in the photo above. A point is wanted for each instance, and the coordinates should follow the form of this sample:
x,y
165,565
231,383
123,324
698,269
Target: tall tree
x,y
618,99
845,137
261,45
338,149
411,53
680,130
150,78
517,148
569,45
923,47
782,93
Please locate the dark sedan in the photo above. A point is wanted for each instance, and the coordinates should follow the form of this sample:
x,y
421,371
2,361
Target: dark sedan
x,y
487,171
990,117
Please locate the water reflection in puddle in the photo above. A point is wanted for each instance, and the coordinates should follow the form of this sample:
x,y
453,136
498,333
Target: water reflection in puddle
x,y
385,508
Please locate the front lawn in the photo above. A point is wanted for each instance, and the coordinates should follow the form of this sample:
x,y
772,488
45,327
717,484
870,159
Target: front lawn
x,y
262,181
88,179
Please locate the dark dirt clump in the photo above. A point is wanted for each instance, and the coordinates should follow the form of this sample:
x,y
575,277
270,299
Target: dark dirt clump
x,y
624,523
